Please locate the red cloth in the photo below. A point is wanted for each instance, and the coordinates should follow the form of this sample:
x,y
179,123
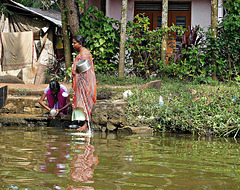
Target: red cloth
x,y
84,85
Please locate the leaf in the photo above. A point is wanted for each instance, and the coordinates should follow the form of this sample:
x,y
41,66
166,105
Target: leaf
x,y
102,41
101,49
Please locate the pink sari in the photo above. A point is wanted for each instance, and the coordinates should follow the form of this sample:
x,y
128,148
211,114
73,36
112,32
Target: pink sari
x,y
84,85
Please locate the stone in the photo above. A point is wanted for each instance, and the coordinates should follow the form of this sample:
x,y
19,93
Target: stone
x,y
10,107
10,79
37,111
152,84
27,110
110,126
103,129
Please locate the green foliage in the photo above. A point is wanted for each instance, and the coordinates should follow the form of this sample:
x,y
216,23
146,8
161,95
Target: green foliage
x,y
229,37
220,54
144,46
212,51
201,109
4,10
188,61
103,39
189,39
223,51
191,67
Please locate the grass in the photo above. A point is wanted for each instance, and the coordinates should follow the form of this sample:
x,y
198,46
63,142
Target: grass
x,y
204,109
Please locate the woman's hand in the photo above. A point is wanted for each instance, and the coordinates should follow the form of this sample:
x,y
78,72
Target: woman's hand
x,y
56,113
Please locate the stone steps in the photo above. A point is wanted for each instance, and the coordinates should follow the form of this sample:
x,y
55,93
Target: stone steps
x,y
22,109
25,110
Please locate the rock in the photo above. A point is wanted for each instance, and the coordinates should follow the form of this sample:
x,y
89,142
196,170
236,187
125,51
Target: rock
x,y
110,126
10,79
136,130
10,107
27,110
152,84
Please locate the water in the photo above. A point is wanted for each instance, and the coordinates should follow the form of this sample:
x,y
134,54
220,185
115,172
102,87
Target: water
x,y
52,158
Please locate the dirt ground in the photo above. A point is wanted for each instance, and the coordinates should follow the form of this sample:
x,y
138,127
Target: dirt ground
x,y
34,87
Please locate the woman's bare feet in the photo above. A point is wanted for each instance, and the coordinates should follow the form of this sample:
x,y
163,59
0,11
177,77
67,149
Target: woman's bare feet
x,y
83,128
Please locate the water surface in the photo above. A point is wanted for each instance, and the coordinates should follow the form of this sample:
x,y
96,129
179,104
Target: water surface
x,y
53,158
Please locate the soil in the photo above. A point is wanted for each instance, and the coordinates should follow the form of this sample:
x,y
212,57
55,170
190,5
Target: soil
x,y
33,87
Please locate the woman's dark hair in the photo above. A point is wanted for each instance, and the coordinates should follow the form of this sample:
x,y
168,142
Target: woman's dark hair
x,y
55,86
80,39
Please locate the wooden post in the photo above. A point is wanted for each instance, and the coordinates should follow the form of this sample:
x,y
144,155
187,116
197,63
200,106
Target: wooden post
x,y
164,37
122,39
214,20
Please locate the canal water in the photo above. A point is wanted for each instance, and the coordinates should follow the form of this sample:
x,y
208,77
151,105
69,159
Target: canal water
x,y
53,158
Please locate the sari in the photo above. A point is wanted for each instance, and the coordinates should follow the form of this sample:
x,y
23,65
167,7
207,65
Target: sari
x,y
84,85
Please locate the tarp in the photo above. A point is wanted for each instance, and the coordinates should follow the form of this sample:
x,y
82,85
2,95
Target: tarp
x,y
17,50
19,23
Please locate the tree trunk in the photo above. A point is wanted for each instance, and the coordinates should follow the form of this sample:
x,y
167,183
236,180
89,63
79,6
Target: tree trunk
x,y
214,19
164,37
66,40
73,16
122,39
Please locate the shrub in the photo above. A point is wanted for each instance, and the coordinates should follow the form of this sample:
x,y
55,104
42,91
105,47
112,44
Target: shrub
x,y
144,46
103,39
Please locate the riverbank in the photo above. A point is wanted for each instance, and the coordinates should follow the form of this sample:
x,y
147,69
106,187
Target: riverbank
x,y
205,109
22,109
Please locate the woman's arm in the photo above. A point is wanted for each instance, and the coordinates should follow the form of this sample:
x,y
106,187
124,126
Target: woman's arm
x,y
67,105
41,102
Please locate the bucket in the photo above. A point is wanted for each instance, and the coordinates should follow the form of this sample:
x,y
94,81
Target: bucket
x,y
83,65
78,114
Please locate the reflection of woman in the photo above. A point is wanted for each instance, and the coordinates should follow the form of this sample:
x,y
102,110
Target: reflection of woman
x,y
81,164
55,99
84,84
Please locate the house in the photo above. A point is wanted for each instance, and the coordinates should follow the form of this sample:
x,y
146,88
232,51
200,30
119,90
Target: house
x,y
186,13
29,41
180,12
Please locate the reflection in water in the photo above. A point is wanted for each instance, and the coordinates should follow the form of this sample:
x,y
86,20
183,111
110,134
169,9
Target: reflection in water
x,y
56,155
58,159
81,164
50,158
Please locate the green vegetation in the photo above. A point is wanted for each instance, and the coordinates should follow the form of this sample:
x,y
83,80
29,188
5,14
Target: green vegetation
x,y
193,102
103,39
192,107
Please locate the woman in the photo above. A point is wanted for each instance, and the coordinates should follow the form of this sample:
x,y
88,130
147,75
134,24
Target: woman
x,y
55,99
84,84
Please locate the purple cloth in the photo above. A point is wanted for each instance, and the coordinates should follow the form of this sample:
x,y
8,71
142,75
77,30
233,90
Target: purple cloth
x,y
61,101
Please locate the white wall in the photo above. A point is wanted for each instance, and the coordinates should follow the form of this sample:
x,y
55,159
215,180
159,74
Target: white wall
x,y
200,10
201,13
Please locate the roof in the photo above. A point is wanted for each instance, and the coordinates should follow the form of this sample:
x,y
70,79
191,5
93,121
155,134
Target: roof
x,y
50,15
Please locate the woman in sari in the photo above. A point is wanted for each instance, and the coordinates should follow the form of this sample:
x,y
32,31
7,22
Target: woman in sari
x,y
84,85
